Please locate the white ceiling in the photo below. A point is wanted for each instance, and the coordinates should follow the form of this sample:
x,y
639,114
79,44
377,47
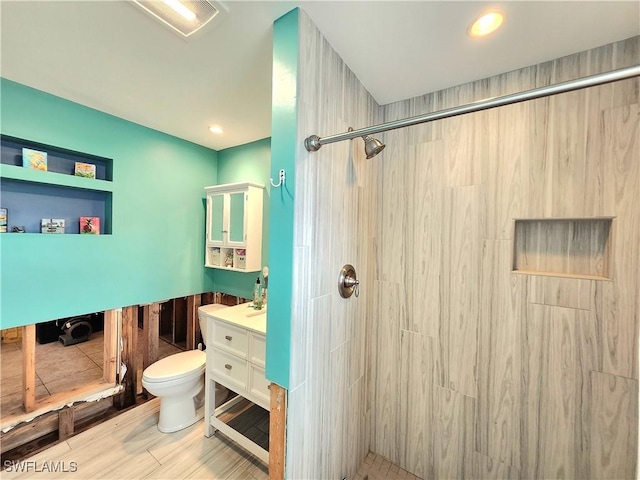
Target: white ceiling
x,y
112,56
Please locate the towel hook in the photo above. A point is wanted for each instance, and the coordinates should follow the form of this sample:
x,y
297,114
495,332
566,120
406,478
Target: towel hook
x,y
281,181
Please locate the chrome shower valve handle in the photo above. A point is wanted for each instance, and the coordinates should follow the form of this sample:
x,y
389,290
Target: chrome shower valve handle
x,y
348,284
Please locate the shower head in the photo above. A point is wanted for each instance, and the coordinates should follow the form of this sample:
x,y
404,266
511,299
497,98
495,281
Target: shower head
x,y
372,146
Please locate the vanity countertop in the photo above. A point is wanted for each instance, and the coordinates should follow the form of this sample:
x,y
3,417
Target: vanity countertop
x,y
242,315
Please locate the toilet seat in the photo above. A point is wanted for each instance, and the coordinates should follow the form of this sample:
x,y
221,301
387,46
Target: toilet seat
x,y
181,365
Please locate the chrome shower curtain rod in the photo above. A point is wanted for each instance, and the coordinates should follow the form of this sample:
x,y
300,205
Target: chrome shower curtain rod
x,y
313,142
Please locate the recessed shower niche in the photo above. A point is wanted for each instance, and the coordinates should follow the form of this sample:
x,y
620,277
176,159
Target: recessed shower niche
x,y
565,247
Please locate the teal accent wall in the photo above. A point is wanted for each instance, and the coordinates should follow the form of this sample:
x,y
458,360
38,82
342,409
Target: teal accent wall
x,y
283,153
245,163
156,251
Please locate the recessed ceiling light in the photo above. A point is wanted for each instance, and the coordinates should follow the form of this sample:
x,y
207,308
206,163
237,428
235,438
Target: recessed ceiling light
x,y
181,9
215,129
184,16
486,23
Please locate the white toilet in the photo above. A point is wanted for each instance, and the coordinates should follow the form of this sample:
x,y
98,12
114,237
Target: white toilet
x,y
177,380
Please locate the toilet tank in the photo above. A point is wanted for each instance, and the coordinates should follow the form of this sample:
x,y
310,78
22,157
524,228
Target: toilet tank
x,y
202,316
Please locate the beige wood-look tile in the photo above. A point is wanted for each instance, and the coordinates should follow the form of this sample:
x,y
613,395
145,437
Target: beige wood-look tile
x,y
427,218
499,362
416,390
338,400
599,98
386,358
613,413
620,315
486,468
461,258
626,54
539,137
298,439
463,150
300,312
356,441
394,234
507,163
452,434
568,146
561,292
426,132
550,389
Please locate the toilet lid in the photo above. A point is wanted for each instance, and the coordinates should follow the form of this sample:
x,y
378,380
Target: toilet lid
x,y
176,365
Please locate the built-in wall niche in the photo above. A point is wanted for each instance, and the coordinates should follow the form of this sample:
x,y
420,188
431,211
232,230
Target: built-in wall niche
x,y
54,191
565,247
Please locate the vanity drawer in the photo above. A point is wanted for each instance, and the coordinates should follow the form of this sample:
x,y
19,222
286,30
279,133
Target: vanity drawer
x,y
232,339
230,369
258,349
259,385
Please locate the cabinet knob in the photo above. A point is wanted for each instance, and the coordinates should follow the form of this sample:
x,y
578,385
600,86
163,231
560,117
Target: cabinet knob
x,y
227,366
228,337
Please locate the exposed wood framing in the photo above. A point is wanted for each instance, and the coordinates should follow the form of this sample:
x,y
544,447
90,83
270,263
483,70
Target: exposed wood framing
x,y
179,320
277,431
49,422
65,423
193,326
29,367
151,329
128,357
110,341
207,298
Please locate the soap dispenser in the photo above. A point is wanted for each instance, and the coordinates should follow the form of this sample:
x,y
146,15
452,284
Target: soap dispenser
x,y
257,294
265,275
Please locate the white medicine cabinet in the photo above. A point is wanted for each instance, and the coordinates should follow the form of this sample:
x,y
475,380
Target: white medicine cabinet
x,y
234,227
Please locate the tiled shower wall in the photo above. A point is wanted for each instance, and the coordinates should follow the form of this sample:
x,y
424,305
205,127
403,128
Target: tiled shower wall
x,y
327,434
478,372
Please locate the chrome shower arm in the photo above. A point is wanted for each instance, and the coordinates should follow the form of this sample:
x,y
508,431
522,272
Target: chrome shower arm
x,y
314,142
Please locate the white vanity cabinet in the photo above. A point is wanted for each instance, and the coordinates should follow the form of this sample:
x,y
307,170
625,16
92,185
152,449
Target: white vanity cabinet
x,y
236,359
234,226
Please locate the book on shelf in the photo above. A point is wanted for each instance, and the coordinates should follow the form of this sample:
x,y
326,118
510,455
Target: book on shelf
x,y
34,159
52,225
86,170
4,214
90,225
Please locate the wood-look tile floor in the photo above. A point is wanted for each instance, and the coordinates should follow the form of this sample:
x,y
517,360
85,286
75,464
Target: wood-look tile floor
x,y
130,446
376,467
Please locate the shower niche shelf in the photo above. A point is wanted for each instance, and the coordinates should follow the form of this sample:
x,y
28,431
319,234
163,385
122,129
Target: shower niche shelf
x,y
563,247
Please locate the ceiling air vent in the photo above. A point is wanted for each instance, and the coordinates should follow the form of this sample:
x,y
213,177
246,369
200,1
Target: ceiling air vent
x,y
184,16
